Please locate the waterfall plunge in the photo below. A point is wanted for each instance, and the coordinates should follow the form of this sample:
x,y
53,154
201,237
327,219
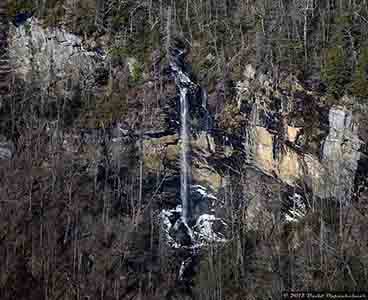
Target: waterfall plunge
x,y
185,85
189,237
184,163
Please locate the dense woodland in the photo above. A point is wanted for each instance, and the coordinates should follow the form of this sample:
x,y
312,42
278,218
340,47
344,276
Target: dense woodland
x,y
74,227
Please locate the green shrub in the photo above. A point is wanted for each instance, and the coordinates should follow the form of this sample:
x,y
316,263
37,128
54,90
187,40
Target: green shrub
x,y
137,73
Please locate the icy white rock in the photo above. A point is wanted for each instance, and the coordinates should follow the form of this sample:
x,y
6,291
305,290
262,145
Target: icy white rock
x,y
200,189
298,210
204,229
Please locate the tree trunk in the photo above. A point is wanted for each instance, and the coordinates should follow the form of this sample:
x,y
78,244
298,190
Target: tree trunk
x,y
306,38
5,68
168,29
99,14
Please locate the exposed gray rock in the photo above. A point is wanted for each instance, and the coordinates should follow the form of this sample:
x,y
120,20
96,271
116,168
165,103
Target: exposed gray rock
x,y
341,154
51,55
271,139
249,72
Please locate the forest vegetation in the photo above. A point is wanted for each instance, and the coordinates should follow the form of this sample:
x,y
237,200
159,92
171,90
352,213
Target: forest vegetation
x,y
81,220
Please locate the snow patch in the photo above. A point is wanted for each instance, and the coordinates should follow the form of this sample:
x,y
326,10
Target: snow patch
x,y
298,209
200,234
205,231
200,189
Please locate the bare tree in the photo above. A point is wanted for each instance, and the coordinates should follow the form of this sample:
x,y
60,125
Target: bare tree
x,y
5,68
306,9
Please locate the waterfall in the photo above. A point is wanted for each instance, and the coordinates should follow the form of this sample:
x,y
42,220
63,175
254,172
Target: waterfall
x,y
184,163
184,230
185,86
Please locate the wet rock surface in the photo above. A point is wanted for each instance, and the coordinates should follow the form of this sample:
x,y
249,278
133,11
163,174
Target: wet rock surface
x,y
203,228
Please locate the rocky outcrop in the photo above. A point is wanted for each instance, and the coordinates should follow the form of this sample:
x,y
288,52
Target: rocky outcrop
x,y
52,58
332,176
277,133
290,164
276,138
340,154
206,229
203,149
160,150
165,151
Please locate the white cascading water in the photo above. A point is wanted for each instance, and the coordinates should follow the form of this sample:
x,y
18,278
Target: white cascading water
x,y
184,83
184,163
182,229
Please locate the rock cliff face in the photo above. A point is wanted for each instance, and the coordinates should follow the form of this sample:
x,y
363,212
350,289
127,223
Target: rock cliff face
x,y
53,59
330,174
340,154
280,137
274,149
